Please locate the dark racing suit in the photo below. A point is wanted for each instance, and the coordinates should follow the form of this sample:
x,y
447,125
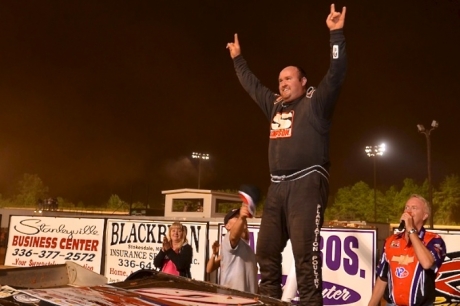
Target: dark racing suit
x,y
299,164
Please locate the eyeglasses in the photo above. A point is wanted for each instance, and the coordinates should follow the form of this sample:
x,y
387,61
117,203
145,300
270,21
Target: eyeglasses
x,y
411,208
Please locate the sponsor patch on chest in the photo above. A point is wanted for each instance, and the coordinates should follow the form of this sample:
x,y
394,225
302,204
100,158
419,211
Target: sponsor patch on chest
x,y
403,260
281,126
395,244
401,272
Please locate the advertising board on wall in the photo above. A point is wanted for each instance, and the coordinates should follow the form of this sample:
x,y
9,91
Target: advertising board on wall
x,y
117,248
348,265
43,241
131,245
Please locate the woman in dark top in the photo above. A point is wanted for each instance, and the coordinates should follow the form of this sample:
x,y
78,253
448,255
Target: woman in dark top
x,y
175,257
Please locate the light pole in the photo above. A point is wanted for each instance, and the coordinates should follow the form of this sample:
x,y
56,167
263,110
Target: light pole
x,y
422,130
373,151
200,157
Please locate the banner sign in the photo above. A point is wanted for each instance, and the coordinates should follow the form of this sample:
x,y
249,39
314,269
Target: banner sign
x,y
131,245
348,265
348,257
43,241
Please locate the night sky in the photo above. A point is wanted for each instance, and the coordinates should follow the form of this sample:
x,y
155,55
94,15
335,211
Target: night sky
x,y
112,97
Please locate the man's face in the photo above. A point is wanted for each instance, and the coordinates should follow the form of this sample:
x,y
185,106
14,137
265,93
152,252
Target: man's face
x,y
291,86
231,222
416,208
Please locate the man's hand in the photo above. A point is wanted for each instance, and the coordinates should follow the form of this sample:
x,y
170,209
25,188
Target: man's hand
x,y
244,211
214,260
234,47
409,221
335,20
215,248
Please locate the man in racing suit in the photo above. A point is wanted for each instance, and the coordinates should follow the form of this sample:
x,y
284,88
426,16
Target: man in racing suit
x,y
300,121
407,270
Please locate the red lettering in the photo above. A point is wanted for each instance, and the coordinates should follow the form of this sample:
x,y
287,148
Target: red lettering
x,y
42,242
280,133
34,242
19,262
117,272
88,267
51,242
94,245
79,244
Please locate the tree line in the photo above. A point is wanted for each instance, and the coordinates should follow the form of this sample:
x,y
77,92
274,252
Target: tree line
x,y
31,190
351,203
356,203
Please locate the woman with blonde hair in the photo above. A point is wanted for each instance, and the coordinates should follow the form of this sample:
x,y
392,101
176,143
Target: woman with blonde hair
x,y
175,257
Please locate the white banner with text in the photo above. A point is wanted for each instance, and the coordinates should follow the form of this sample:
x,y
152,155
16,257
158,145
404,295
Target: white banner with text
x,y
132,245
348,265
44,241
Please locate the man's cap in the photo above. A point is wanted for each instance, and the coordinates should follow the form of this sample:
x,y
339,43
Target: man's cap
x,y
250,194
231,214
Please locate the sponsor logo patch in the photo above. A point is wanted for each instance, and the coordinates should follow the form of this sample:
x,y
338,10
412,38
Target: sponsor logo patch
x,y
401,272
281,126
403,260
335,51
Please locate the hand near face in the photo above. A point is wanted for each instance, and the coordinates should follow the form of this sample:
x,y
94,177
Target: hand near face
x,y
407,217
234,47
336,20
166,244
215,247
